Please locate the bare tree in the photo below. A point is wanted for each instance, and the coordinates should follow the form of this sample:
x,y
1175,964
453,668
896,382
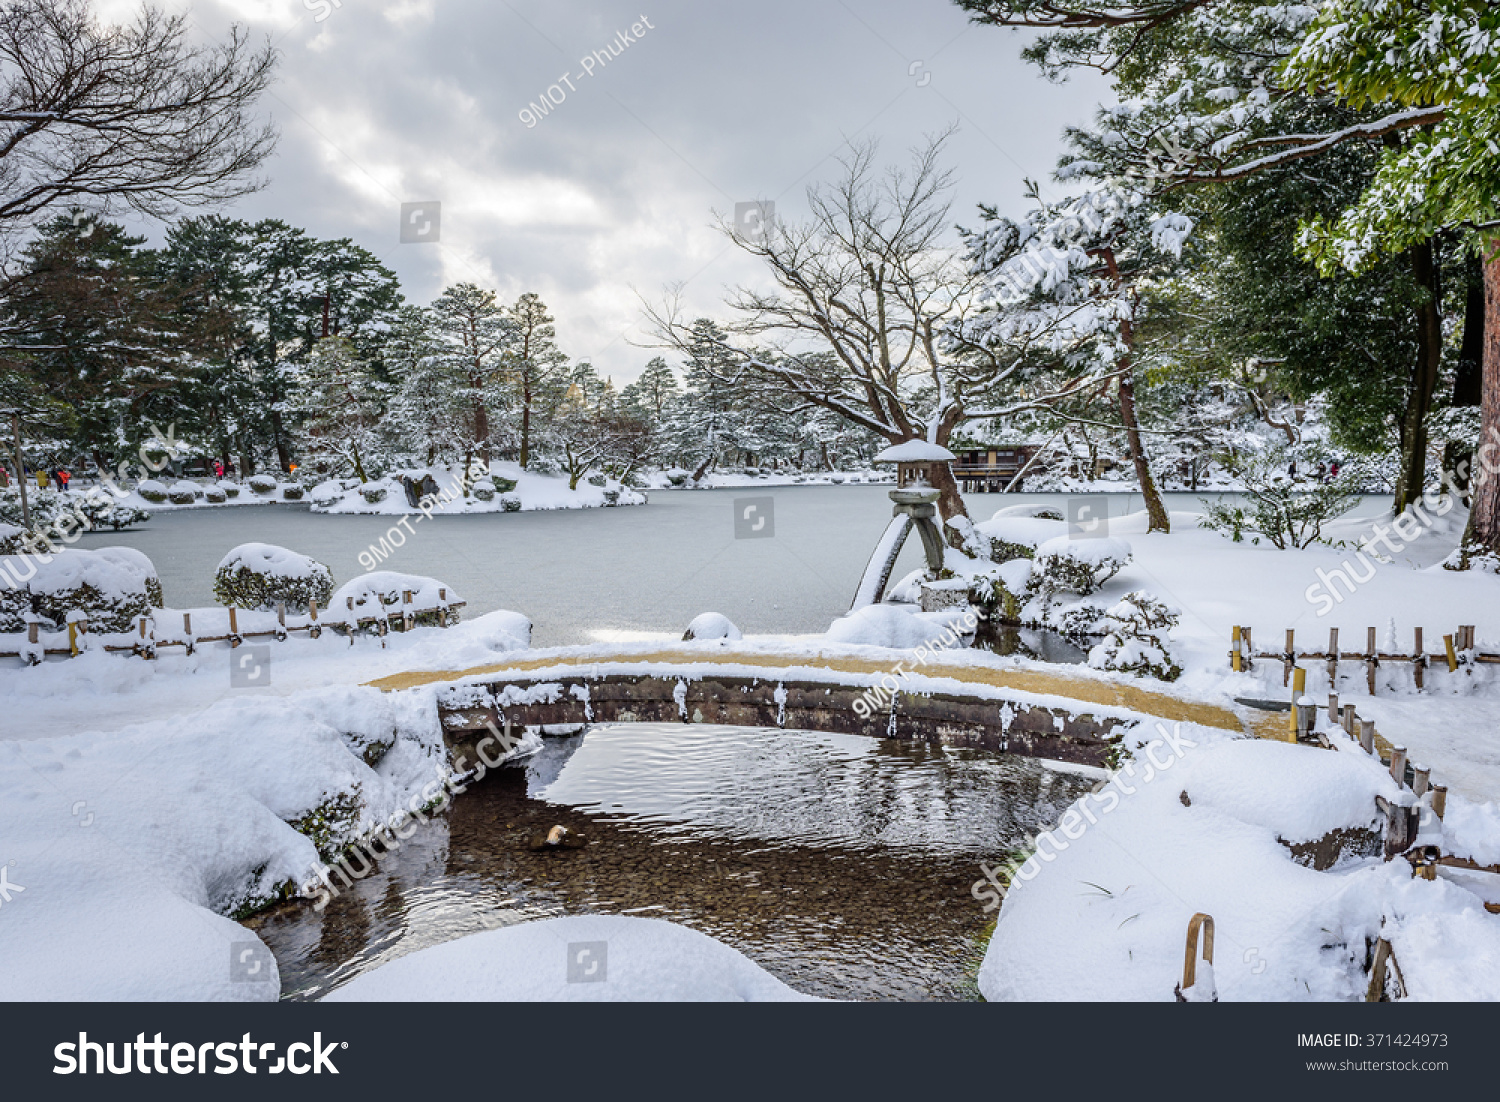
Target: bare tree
x,y
870,279
123,116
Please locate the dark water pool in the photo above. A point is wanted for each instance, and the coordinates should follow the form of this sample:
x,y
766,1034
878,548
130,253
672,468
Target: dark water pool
x,y
841,864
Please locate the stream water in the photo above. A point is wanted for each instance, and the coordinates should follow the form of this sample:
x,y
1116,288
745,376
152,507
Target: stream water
x,y
842,865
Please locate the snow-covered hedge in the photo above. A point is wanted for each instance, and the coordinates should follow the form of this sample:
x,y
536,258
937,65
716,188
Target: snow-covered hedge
x,y
1013,537
1137,638
231,489
11,536
215,496
184,493
262,484
1078,565
290,491
380,593
484,490
153,491
111,588
325,494
373,492
511,503
258,575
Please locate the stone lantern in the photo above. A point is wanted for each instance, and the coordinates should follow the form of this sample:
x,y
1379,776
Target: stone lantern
x,y
915,501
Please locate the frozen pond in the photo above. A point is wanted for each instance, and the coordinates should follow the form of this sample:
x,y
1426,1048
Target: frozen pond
x,y
592,575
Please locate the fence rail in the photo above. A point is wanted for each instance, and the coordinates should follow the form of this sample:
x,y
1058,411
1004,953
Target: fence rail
x,y
1459,652
400,618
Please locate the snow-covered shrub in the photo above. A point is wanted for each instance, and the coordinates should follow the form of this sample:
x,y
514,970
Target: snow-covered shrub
x,y
484,490
1018,537
112,587
381,593
15,602
183,493
257,575
328,493
597,480
504,485
215,496
11,536
1040,512
1077,565
1001,591
231,489
711,625
261,484
122,516
511,503
152,490
290,491
676,476
1137,638
972,541
373,492
1288,505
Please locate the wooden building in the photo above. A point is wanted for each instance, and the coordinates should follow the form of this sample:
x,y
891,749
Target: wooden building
x,y
989,470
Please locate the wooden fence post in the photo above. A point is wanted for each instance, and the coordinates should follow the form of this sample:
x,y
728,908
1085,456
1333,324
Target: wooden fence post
x,y
1419,661
1205,924
443,607
1370,659
1333,707
1452,654
1398,765
1439,799
1299,688
405,610
234,629
1367,735
1289,662
1333,660
313,629
1235,634
1421,776
187,632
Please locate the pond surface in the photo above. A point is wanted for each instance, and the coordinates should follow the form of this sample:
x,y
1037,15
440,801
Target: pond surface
x,y
598,575
842,865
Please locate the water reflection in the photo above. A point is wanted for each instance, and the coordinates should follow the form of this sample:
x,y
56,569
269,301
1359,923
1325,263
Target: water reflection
x,y
840,864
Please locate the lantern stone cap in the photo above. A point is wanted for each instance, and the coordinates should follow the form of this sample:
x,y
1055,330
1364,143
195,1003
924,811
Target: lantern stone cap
x,y
915,451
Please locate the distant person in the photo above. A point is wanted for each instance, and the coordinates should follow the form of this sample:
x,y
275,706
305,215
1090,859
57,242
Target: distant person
x,y
42,481
1333,471
63,478
218,468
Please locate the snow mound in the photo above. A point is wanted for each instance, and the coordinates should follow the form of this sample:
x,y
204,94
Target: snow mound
x,y
580,958
892,626
712,625
383,590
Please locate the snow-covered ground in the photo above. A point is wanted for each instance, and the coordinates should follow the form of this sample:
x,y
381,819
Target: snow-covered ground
x,y
680,479
141,803
532,491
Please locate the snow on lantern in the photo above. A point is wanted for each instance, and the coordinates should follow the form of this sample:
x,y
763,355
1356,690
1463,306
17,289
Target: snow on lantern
x,y
915,461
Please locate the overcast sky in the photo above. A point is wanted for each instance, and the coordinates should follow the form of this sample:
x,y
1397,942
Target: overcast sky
x,y
613,194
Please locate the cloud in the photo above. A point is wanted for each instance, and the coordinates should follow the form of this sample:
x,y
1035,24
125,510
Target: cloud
x,y
613,191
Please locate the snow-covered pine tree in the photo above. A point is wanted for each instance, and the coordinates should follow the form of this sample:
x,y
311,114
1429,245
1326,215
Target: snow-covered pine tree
x,y
337,405
1066,283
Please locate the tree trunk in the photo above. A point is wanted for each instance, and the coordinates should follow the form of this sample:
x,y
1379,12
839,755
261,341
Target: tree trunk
x,y
1483,535
282,456
950,502
1468,377
1156,512
525,427
1424,377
